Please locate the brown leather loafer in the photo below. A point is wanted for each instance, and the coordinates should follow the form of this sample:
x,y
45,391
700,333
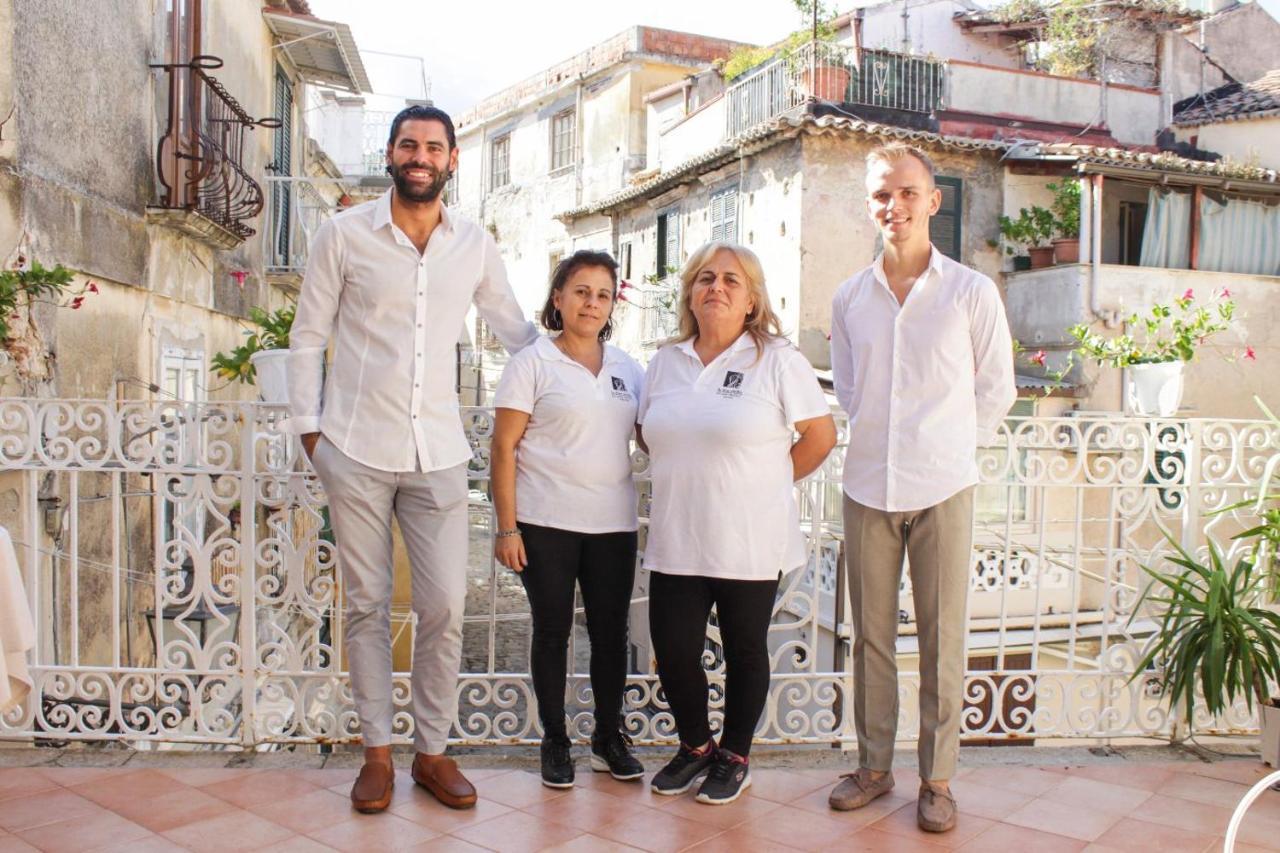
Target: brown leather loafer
x,y
441,776
372,790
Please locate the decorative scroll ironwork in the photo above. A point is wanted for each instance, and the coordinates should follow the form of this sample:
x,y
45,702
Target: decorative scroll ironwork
x,y
185,583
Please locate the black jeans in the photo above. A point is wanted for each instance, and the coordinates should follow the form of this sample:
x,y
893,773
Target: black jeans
x,y
678,609
603,565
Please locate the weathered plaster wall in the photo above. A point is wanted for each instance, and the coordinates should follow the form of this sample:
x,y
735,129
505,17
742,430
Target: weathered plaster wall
x,y
1252,141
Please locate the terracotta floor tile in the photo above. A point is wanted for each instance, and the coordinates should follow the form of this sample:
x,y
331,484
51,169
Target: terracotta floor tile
x,y
871,840
312,811
1082,823
361,832
659,831
71,776
1204,789
322,778
740,841
23,781
14,844
591,844
424,809
86,832
1103,796
1131,834
260,788
172,810
784,786
1184,814
587,810
519,789
637,793
297,844
447,844
746,807
198,777
52,806
800,828
976,798
1244,771
150,844
517,832
1021,780
1146,777
129,789
903,822
1016,839
483,774
237,829
1246,848
1258,830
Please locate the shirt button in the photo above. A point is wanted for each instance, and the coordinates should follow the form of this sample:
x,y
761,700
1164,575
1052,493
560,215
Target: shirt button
x,y
415,417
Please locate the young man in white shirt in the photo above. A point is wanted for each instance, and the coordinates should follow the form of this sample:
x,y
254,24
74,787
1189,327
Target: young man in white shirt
x,y
923,364
391,281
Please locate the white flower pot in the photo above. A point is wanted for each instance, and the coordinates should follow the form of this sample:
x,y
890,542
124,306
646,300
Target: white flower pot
x,y
269,365
1154,390
1270,724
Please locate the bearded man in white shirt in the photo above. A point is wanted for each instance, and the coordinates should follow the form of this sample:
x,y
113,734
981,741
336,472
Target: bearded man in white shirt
x,y
923,365
391,282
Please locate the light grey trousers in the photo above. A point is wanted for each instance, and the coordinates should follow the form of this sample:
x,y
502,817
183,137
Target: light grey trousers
x,y
939,542
432,511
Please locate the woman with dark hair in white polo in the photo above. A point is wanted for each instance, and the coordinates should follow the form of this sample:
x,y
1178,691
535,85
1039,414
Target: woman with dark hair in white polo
x,y
721,409
566,504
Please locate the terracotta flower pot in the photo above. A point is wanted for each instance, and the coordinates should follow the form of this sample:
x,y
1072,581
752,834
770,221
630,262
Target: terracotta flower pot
x,y
831,84
1041,257
1066,250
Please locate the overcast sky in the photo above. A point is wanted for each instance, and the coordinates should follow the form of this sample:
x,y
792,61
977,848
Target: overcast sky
x,y
474,48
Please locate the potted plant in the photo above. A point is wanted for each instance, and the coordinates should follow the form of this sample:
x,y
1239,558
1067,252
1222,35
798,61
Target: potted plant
x,y
1066,221
261,358
1154,366
1037,224
1016,235
817,65
1214,637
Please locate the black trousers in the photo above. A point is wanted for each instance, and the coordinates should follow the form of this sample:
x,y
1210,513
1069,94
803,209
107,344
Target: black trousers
x,y
678,609
603,565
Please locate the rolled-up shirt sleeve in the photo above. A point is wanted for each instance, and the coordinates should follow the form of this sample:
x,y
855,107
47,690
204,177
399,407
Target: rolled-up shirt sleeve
x,y
312,327
497,303
994,387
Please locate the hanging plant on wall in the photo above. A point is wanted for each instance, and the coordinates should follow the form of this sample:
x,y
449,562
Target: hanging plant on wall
x,y
22,288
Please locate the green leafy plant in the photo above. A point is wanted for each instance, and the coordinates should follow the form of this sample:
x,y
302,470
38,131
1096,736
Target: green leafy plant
x,y
1264,537
271,332
749,57
23,286
1033,228
1172,332
1213,633
1066,207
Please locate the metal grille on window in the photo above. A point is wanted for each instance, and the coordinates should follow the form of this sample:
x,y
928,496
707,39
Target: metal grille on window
x,y
562,140
724,215
501,163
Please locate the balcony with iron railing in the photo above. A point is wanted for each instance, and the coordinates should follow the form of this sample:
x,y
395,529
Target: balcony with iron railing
x,y
207,189
297,207
837,74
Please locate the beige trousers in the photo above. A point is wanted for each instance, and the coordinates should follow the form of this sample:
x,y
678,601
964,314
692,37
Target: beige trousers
x,y
432,511
938,541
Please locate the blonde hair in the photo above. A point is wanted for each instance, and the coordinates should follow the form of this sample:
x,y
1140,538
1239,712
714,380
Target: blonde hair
x,y
892,152
762,323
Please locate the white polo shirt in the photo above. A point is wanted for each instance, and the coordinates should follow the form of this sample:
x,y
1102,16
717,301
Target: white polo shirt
x,y
720,441
573,465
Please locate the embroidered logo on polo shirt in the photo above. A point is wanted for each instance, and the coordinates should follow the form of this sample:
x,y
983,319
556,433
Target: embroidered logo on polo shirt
x,y
620,391
732,386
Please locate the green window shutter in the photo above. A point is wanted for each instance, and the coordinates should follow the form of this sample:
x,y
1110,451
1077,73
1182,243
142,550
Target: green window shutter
x,y
944,228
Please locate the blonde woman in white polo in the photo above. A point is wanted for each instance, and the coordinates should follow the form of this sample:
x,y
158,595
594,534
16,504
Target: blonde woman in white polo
x,y
566,504
721,410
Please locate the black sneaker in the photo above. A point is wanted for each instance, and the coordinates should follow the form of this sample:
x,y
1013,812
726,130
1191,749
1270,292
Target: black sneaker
x,y
683,770
557,762
611,754
729,776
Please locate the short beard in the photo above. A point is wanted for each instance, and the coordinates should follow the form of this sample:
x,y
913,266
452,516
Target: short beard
x,y
428,195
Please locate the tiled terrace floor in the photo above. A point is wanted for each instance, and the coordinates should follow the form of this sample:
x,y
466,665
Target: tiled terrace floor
x,y
1116,806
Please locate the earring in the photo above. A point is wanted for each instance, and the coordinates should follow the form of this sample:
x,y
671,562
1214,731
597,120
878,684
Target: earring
x,y
556,318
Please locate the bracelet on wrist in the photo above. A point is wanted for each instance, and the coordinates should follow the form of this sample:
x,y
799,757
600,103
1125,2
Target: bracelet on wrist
x,y
503,534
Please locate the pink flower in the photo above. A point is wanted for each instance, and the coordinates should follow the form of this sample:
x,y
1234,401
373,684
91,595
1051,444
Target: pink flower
x,y
625,285
1249,354
77,302
1226,294
91,287
239,276
1039,358
622,297
828,336
1190,294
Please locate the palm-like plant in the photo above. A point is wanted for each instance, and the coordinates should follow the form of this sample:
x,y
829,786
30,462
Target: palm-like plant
x,y
1213,631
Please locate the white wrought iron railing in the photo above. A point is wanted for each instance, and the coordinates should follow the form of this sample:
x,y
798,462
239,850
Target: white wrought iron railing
x,y
295,211
837,74
178,565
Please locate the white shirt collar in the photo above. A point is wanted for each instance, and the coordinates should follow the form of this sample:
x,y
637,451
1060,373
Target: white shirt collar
x,y
382,213
743,341
935,266
546,349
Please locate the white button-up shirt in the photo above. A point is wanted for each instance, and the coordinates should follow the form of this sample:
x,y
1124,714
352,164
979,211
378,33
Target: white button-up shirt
x,y
389,400
924,383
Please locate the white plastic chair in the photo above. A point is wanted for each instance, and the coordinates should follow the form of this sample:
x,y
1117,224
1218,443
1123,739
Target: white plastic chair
x,y
1229,845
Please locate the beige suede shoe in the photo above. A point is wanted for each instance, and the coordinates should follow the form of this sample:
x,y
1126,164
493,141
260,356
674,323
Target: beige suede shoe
x,y
857,789
935,809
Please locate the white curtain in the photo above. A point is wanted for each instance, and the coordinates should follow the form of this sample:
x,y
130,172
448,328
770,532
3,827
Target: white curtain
x,y
1239,236
1166,238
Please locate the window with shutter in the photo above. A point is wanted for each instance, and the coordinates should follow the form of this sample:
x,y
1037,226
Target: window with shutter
x,y
944,228
724,215
668,242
